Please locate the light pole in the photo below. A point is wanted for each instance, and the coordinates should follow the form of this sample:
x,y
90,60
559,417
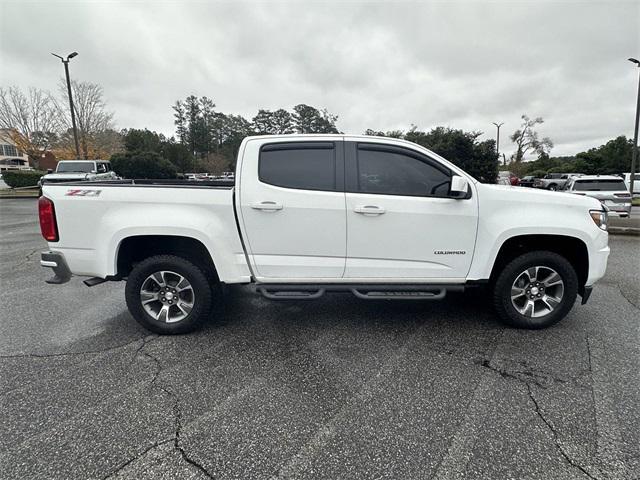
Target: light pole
x,y
73,113
498,125
634,155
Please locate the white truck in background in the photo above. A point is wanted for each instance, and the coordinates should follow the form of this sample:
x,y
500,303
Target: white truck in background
x,y
381,218
80,170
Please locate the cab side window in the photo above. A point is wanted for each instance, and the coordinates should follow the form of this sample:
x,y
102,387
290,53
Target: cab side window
x,y
392,172
299,165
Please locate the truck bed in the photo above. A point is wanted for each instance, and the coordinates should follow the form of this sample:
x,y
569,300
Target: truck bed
x,y
94,217
227,184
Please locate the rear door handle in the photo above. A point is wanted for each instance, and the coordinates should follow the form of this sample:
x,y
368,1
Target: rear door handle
x,y
268,206
369,209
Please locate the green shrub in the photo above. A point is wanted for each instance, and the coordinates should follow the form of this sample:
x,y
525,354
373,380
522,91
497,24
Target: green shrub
x,y
142,165
538,173
21,178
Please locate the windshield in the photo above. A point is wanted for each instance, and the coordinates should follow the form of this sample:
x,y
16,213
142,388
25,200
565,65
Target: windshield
x,y
598,185
79,167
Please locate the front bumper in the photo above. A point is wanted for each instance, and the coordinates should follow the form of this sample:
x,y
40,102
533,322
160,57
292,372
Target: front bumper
x,y
56,261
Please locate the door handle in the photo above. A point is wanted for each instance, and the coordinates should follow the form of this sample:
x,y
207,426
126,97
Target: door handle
x,y
369,210
267,206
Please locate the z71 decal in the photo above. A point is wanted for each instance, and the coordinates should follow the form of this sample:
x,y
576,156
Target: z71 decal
x,y
83,193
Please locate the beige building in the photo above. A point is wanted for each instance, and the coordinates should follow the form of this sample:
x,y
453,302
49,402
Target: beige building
x,y
10,157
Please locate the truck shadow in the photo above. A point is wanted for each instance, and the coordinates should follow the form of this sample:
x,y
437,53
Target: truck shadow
x,y
241,304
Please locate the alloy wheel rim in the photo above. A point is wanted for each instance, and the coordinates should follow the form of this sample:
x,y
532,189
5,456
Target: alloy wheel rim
x,y
537,291
167,296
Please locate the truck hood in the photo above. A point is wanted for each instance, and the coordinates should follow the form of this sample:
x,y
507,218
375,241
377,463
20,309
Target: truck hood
x,y
509,193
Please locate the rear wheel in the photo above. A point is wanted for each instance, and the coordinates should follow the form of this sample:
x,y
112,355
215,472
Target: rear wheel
x,y
168,294
535,290
553,187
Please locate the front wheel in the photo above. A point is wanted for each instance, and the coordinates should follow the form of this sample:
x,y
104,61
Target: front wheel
x,y
535,290
168,294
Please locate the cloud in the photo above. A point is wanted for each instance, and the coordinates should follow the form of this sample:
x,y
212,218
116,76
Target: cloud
x,y
377,65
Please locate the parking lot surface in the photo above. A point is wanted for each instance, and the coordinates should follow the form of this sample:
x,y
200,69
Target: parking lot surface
x,y
336,388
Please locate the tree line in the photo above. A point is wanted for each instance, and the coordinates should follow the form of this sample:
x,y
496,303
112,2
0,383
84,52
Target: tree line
x,y
207,140
40,121
612,158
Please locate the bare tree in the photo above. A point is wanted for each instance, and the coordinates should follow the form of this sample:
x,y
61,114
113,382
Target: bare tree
x,y
92,117
527,140
33,119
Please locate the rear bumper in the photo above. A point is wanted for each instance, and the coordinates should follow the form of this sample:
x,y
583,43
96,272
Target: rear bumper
x,y
624,209
57,262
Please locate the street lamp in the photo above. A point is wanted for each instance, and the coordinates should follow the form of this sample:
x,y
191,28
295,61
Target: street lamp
x,y
73,114
634,156
498,125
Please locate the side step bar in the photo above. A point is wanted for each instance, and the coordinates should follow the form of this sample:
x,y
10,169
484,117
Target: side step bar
x,y
275,291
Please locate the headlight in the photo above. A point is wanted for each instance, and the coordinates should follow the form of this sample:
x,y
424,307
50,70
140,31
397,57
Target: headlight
x,y
600,218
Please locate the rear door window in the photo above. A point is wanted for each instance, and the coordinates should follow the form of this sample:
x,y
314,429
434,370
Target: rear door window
x,y
301,165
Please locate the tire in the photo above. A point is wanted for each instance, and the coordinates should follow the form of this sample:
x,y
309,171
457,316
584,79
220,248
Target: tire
x,y
553,187
551,300
169,284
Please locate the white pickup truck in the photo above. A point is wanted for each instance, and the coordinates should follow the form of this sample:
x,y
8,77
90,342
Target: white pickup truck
x,y
308,214
80,170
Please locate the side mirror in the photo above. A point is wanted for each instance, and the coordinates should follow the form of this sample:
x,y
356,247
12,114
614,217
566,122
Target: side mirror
x,y
459,187
49,170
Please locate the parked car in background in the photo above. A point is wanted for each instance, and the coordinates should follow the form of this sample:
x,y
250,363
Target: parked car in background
x,y
636,183
555,181
527,181
609,189
80,170
507,178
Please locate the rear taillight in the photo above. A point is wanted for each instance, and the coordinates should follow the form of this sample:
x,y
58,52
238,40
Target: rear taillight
x,y
47,214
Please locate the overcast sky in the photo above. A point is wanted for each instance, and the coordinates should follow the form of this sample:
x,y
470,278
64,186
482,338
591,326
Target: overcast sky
x,y
380,65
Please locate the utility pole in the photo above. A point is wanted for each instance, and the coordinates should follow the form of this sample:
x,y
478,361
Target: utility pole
x,y
634,156
73,113
498,125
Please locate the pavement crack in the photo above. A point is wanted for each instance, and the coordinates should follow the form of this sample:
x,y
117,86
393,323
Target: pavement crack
x,y
624,295
177,412
542,379
554,433
185,456
136,457
529,379
27,257
72,354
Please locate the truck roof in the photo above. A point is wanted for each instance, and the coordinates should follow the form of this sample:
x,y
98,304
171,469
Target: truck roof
x,y
599,177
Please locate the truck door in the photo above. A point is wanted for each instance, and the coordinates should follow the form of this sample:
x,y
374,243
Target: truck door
x,y
401,223
292,207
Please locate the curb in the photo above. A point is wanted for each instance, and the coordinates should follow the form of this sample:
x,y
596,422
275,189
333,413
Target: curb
x,y
624,231
18,196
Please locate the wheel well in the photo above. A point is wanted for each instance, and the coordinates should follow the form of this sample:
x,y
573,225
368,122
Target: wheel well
x,y
134,249
571,248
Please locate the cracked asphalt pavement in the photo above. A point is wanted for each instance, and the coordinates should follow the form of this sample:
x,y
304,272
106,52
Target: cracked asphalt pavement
x,y
336,388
